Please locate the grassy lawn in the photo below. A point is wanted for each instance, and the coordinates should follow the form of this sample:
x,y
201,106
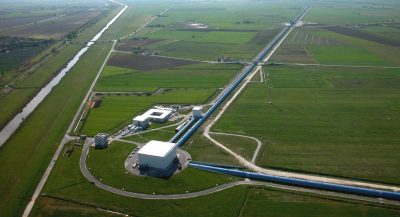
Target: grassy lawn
x,y
211,36
108,164
115,111
347,55
349,13
270,202
339,121
245,147
74,195
314,45
41,133
193,76
162,135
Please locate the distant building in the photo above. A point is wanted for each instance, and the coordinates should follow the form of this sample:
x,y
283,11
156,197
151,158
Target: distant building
x,y
197,112
101,140
153,115
157,155
141,121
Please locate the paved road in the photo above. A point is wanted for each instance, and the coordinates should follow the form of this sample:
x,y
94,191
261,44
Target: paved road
x,y
337,65
256,168
259,143
86,172
67,138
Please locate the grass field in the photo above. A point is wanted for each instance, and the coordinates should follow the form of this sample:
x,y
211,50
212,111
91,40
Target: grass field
x,y
312,45
73,194
29,83
192,76
41,133
240,145
211,36
161,135
337,121
117,111
352,12
230,15
108,164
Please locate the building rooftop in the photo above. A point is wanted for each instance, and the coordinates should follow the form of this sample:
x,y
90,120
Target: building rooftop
x,y
197,108
140,118
157,148
157,113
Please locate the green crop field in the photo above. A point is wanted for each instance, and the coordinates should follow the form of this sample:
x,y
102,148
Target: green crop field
x,y
27,84
41,134
116,111
340,121
211,36
192,76
336,121
327,47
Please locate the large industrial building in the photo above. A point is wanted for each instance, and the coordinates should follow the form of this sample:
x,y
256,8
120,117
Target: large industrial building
x,y
157,155
159,115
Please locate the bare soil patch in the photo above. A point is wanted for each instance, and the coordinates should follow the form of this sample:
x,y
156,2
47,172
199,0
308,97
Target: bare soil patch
x,y
363,35
146,63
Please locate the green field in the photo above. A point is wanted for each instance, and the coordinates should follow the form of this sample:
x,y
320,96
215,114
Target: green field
x,y
230,15
108,165
117,111
73,194
164,134
192,76
336,121
245,147
315,45
212,36
28,83
41,134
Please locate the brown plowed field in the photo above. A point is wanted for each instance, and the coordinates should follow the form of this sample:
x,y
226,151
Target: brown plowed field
x,y
363,35
145,63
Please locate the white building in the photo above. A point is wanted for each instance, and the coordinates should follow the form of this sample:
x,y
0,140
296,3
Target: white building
x,y
197,112
153,115
158,115
101,140
141,121
157,155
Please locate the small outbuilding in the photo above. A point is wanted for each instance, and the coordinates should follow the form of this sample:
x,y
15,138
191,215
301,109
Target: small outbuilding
x,y
197,112
101,140
141,121
157,155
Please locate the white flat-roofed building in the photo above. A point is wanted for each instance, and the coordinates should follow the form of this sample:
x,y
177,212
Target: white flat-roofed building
x,y
154,115
141,121
158,115
157,155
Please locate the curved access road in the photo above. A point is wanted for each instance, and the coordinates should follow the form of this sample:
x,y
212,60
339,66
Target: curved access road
x,y
86,173
259,143
252,166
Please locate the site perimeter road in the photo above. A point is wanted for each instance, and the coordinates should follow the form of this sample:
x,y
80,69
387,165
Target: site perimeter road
x,y
256,168
68,138
86,173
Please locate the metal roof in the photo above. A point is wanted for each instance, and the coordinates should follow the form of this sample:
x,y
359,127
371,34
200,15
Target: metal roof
x,y
157,148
